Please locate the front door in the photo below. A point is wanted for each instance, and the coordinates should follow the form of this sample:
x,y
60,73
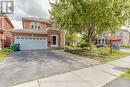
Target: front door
x,y
54,41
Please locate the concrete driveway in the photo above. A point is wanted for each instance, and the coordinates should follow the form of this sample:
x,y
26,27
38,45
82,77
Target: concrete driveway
x,y
29,65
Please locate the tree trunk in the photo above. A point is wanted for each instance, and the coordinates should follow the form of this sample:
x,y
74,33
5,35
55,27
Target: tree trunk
x,y
90,44
89,35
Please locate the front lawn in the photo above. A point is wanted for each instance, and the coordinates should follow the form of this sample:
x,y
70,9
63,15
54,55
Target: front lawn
x,y
125,47
126,75
101,54
114,56
4,53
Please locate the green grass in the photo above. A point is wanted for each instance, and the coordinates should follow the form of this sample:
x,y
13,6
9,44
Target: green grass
x,y
4,53
125,47
114,56
102,54
126,75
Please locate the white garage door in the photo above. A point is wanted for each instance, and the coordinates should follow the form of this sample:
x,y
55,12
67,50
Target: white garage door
x,y
31,43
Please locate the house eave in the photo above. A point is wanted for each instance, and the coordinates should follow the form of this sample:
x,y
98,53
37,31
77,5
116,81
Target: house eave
x,y
29,31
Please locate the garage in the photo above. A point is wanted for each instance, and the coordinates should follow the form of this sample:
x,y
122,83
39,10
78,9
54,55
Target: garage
x,y
31,43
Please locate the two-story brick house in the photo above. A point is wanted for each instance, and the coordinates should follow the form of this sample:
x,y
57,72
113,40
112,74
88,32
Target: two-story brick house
x,y
122,34
5,34
37,33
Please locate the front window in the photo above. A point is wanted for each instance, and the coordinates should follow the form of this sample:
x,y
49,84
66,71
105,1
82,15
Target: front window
x,y
35,25
38,27
32,26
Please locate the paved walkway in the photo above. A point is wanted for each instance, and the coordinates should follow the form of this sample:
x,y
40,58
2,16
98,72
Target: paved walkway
x,y
96,76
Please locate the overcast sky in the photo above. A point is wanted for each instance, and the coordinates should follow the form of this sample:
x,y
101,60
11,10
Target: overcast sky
x,y
25,8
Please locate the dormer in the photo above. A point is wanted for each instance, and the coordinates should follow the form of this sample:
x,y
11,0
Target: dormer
x,y
35,23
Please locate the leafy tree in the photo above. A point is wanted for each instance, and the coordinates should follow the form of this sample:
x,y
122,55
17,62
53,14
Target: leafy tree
x,y
71,37
89,17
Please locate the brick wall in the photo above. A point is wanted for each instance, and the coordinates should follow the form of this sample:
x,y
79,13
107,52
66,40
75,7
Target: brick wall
x,y
27,24
60,39
5,34
1,41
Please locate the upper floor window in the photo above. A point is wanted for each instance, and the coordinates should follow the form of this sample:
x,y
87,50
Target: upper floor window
x,y
32,26
35,25
38,27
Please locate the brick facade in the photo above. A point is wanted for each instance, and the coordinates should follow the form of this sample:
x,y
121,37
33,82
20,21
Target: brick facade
x,y
47,26
5,34
53,32
27,23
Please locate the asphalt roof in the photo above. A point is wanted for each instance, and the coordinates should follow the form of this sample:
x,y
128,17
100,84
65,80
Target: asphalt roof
x,y
29,31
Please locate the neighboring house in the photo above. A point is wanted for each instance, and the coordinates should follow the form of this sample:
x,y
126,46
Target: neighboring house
x,y
102,39
5,34
123,35
37,33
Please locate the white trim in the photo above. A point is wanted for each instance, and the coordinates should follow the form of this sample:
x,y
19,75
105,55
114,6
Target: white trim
x,y
0,48
56,41
35,25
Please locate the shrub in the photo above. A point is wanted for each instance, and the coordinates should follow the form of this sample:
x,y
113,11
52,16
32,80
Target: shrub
x,y
84,45
125,46
94,46
91,53
70,47
103,51
5,52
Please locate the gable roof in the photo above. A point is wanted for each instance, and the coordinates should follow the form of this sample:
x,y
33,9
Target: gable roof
x,y
37,19
7,18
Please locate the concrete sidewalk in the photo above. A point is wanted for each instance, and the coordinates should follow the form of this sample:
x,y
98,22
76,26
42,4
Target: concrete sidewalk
x,y
96,76
125,50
